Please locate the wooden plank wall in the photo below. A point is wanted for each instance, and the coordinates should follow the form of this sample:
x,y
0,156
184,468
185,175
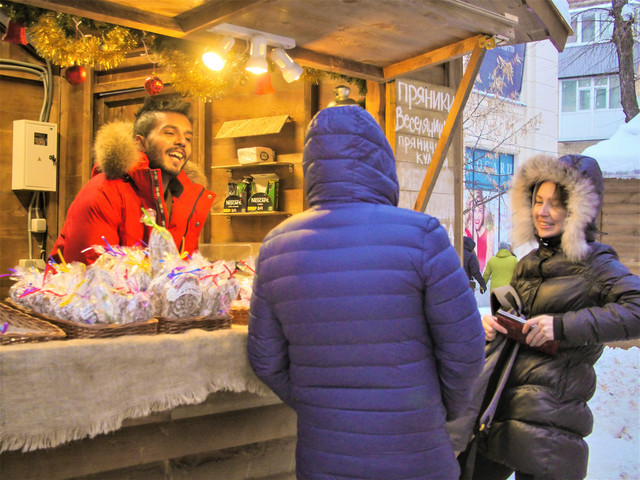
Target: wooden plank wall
x,y
620,220
21,97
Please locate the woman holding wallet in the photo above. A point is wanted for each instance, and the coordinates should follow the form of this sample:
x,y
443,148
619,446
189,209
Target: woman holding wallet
x,y
573,290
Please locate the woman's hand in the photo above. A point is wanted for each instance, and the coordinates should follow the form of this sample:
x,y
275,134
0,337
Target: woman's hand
x,y
540,330
491,326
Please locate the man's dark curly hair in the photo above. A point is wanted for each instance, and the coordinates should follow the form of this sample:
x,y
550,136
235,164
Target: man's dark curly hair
x,y
146,116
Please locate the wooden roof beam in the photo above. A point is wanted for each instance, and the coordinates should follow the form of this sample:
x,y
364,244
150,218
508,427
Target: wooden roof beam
x,y
108,12
551,20
311,59
210,14
434,57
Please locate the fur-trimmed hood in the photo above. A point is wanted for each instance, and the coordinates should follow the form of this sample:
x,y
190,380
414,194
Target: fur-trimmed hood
x,y
116,153
582,179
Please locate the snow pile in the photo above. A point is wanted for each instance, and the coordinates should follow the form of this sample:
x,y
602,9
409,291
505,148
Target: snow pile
x,y
619,156
614,445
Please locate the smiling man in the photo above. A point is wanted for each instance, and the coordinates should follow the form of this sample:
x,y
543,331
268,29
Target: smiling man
x,y
144,165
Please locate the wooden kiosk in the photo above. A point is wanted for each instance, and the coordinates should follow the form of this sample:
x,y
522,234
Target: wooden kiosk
x,y
233,428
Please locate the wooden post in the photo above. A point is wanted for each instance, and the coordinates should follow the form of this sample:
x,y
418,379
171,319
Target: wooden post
x,y
389,114
453,120
375,102
455,76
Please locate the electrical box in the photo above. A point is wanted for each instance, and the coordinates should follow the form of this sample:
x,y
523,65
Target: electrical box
x,y
35,155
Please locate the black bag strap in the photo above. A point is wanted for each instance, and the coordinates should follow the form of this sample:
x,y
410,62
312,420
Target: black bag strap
x,y
505,298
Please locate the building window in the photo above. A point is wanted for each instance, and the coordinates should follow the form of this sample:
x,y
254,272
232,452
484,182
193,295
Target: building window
x,y
590,93
591,26
569,95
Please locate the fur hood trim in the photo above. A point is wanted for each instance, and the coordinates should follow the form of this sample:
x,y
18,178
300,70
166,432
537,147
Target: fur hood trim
x,y
583,203
116,153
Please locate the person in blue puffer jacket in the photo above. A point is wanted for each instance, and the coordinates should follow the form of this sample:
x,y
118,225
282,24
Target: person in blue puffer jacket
x,y
361,317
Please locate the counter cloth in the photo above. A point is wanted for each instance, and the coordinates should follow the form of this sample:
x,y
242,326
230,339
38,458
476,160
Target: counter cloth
x,y
58,391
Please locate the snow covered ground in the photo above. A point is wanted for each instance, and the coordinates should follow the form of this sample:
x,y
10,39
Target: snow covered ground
x,y
614,445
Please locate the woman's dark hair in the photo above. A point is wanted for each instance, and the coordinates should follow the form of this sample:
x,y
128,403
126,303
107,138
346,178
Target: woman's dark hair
x,y
562,193
146,116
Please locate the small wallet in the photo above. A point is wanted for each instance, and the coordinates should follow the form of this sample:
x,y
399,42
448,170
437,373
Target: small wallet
x,y
514,325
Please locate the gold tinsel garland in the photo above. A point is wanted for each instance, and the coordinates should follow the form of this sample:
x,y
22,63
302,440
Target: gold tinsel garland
x,y
104,52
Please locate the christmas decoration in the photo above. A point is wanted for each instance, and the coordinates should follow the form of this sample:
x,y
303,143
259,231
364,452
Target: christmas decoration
x,y
16,33
71,41
264,86
153,85
105,51
192,78
75,75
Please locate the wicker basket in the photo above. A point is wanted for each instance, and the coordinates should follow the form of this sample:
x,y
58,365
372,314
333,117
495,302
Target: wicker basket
x,y
179,325
78,330
42,331
240,315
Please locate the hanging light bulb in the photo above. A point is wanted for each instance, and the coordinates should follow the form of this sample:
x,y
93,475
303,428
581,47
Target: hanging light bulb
x,y
216,58
257,62
291,71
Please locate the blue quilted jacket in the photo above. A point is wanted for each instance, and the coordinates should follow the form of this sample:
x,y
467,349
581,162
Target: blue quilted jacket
x,y
361,318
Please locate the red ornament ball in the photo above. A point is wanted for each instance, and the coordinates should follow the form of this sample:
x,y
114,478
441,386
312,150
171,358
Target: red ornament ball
x,y
153,85
75,75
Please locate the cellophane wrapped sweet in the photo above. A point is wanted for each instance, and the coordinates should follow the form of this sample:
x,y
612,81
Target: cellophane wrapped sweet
x,y
129,284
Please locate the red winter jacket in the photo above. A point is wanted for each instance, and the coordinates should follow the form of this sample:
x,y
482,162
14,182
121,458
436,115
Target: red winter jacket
x,y
110,204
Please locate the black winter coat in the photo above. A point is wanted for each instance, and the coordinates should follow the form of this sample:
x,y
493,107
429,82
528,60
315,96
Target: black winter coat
x,y
543,417
471,263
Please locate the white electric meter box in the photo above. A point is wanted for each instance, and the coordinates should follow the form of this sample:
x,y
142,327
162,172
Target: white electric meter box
x,y
35,155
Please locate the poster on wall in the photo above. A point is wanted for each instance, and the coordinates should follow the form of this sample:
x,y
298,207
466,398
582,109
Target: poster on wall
x,y
486,214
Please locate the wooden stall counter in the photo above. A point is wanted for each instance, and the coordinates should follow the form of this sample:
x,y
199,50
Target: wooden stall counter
x,y
152,407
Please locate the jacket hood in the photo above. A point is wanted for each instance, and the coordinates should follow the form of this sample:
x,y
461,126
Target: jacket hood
x,y
582,179
116,153
468,243
503,253
348,158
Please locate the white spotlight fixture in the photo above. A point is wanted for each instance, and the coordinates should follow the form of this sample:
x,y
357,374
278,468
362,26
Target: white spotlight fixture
x,y
257,62
216,58
291,71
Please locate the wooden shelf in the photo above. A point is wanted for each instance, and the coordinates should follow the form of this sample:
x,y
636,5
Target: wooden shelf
x,y
250,214
252,166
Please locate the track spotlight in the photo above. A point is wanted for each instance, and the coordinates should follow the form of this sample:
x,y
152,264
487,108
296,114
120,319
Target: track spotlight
x,y
216,58
257,62
291,71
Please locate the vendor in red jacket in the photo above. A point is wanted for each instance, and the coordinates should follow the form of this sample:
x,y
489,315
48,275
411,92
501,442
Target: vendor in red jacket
x,y
141,166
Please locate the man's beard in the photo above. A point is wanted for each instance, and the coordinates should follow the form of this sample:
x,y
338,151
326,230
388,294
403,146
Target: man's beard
x,y
155,161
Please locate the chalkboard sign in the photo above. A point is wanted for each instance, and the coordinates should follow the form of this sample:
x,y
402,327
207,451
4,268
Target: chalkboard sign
x,y
420,113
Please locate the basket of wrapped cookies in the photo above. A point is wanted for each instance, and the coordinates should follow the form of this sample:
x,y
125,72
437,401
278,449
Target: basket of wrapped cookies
x,y
105,299
18,327
129,290
196,294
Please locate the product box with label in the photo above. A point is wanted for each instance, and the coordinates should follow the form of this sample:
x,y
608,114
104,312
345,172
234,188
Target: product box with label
x,y
233,201
266,192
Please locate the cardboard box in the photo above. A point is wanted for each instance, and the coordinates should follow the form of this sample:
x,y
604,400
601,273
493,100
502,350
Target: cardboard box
x,y
256,155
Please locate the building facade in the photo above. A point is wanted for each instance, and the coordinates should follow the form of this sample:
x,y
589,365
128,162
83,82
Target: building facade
x,y
589,85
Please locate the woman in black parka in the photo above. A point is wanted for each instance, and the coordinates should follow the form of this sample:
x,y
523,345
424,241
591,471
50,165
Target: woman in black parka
x,y
574,290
